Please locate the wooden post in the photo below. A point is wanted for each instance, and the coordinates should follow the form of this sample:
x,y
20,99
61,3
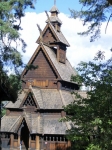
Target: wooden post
x,y
18,141
37,143
69,144
47,83
11,141
59,85
42,143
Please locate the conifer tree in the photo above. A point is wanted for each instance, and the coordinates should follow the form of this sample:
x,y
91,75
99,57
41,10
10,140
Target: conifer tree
x,y
11,12
93,13
91,116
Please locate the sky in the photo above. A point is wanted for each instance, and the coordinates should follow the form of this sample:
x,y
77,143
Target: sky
x,y
81,49
63,6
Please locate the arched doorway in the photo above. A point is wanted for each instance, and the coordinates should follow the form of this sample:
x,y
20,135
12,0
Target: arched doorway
x,y
24,138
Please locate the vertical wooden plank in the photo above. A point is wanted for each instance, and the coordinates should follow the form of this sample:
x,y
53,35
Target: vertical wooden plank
x,y
18,141
11,141
47,82
59,85
42,143
52,146
15,143
37,143
69,144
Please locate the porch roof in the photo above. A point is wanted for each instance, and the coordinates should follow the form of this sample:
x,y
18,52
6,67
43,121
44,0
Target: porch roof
x,y
43,124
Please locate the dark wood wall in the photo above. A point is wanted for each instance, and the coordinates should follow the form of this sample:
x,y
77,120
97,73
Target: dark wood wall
x,y
44,69
48,36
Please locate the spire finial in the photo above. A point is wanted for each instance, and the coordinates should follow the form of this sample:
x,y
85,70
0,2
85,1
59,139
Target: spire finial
x,y
54,2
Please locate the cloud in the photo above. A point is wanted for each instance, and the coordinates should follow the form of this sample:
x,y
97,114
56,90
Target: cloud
x,y
80,48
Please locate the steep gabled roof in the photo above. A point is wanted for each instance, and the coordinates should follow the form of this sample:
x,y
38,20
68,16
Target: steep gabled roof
x,y
59,36
33,99
17,104
41,47
54,19
46,98
65,70
8,123
43,124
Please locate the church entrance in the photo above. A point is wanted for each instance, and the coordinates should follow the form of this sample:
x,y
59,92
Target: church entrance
x,y
24,140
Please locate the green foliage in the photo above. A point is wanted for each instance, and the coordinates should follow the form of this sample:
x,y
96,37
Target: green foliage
x,y
11,12
91,117
3,112
93,12
9,86
93,147
31,67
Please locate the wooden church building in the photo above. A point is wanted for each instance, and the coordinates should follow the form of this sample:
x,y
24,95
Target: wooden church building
x,y
32,122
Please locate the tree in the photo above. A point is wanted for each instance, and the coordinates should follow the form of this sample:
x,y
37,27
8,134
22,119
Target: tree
x,y
11,12
91,117
93,13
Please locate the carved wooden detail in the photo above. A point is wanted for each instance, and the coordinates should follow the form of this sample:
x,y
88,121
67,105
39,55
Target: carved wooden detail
x,y
29,101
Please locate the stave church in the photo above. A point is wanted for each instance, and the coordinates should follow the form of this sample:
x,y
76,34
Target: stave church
x,y
32,122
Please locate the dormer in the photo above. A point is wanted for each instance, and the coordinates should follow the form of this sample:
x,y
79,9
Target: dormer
x,y
61,53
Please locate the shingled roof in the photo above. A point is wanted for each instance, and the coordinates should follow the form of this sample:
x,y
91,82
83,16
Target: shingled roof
x,y
54,9
43,124
54,19
17,104
65,70
45,98
8,123
59,35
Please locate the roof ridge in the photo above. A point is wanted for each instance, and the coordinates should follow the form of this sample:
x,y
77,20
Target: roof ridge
x,y
28,124
58,35
15,122
62,98
39,92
